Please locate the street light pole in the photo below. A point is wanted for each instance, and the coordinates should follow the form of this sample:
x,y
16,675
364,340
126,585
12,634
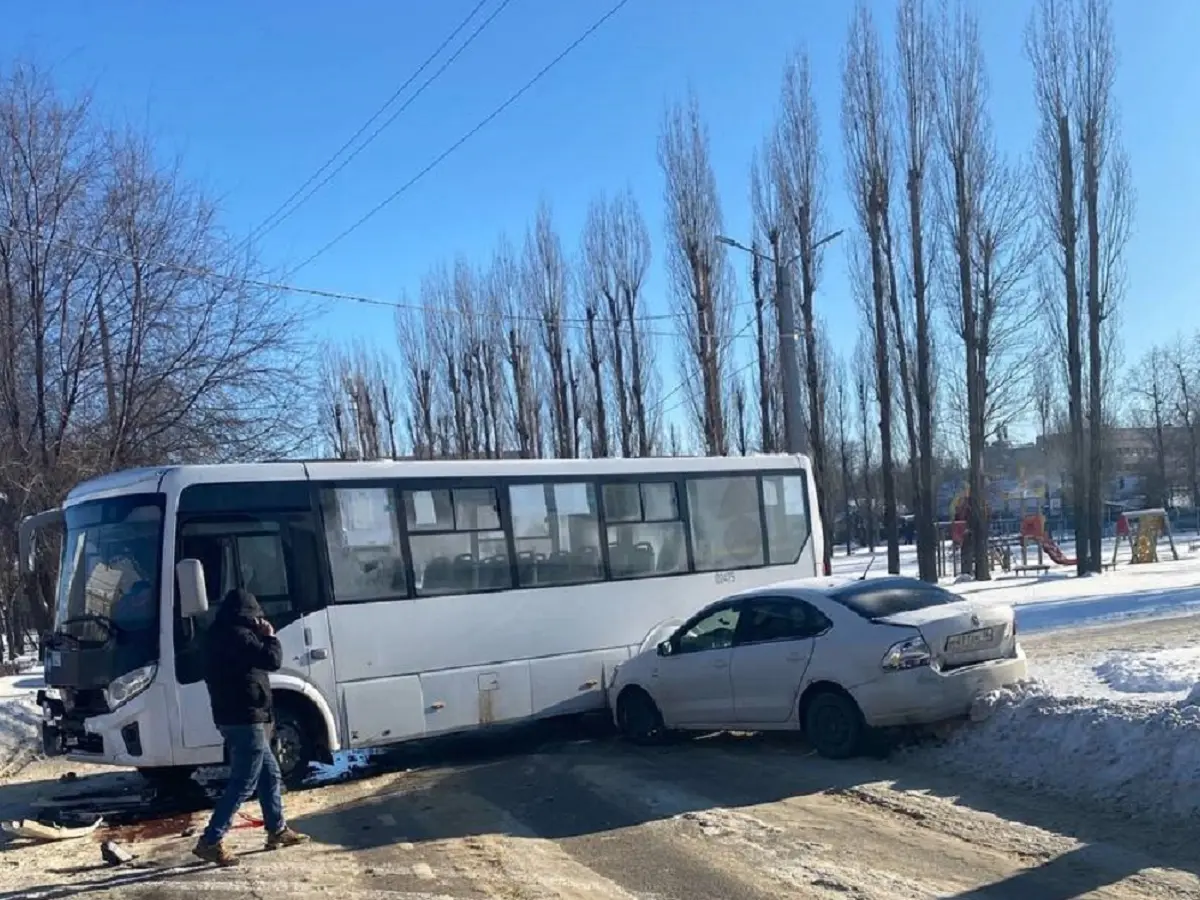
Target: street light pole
x,y
794,427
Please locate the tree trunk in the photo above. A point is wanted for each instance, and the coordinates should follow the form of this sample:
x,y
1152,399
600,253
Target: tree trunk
x,y
1095,359
884,388
1079,464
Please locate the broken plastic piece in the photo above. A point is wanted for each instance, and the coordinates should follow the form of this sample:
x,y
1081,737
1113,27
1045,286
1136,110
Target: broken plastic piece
x,y
39,831
114,854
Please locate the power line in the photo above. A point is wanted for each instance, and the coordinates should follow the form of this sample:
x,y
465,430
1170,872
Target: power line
x,y
687,378
283,287
438,160
268,225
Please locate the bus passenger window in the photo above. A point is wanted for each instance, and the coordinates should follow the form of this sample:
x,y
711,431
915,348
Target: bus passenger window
x,y
724,518
556,528
644,531
785,501
456,540
362,534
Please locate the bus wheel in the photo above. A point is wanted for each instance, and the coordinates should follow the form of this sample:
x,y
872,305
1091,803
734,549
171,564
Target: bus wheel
x,y
294,743
638,717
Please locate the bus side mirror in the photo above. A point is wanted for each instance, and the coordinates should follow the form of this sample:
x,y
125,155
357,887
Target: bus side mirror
x,y
193,592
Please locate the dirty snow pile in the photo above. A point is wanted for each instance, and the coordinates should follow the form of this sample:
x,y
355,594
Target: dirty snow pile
x,y
1142,759
20,724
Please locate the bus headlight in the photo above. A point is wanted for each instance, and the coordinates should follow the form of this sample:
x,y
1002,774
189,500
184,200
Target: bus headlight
x,y
129,685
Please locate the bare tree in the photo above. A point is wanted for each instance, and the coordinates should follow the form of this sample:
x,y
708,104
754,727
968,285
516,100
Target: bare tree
x,y
864,379
799,167
1107,204
770,222
545,280
739,413
865,126
984,202
516,346
916,45
616,257
1049,46
842,416
699,275
1154,399
1185,365
359,401
131,331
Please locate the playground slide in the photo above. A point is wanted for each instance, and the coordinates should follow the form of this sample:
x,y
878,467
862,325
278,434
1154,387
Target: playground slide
x,y
1055,553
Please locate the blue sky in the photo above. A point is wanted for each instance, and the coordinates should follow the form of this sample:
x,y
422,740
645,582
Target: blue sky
x,y
253,97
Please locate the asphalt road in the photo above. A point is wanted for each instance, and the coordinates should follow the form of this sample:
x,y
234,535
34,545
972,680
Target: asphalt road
x,y
542,815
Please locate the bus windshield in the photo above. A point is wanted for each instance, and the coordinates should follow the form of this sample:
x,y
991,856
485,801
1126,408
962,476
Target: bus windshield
x,y
108,578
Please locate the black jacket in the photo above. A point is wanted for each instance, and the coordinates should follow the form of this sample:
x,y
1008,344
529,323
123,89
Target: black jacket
x,y
237,660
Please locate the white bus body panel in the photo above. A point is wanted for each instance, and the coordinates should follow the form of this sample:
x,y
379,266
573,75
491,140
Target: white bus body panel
x,y
551,650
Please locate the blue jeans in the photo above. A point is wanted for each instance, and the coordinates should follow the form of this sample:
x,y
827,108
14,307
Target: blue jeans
x,y
252,766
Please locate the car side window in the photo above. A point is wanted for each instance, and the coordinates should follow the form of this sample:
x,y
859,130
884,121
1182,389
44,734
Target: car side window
x,y
714,631
780,619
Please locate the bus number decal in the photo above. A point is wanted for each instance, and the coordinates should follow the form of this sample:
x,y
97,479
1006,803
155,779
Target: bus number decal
x,y
725,577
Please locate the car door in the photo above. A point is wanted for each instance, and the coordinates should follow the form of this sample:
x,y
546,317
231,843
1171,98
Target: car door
x,y
772,649
691,683
274,557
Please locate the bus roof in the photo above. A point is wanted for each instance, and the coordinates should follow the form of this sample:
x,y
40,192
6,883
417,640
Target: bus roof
x,y
149,480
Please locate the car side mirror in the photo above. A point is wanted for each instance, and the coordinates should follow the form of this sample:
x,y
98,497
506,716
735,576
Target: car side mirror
x,y
193,592
665,648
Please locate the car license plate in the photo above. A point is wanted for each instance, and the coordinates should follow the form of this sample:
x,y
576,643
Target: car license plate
x,y
971,640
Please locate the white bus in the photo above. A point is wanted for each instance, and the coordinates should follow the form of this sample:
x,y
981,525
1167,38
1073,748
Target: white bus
x,y
412,598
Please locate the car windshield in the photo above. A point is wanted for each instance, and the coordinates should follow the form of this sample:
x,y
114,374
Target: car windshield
x,y
108,577
882,597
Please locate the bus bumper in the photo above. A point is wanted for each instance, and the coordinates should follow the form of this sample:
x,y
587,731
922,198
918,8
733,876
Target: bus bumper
x,y
126,737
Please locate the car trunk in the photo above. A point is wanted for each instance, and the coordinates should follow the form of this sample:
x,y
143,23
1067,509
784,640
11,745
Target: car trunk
x,y
963,633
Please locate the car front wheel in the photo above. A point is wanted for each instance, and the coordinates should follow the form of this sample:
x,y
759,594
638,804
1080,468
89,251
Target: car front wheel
x,y
833,725
638,717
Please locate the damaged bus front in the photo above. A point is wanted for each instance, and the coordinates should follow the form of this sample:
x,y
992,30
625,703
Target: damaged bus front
x,y
102,654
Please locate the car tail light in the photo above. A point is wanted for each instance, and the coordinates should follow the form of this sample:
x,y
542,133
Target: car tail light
x,y
907,654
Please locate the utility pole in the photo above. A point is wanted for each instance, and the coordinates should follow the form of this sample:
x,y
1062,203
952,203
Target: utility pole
x,y
794,427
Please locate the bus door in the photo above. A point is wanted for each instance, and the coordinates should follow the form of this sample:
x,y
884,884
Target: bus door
x,y
275,557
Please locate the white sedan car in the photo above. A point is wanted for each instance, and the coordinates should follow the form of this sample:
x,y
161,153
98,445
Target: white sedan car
x,y
831,659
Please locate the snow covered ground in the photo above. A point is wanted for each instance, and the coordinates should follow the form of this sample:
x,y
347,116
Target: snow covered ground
x,y
20,719
1059,599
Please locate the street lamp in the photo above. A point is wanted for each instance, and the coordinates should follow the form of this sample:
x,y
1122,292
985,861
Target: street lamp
x,y
793,417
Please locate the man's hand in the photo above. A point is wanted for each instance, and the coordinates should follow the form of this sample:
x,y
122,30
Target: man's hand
x,y
264,628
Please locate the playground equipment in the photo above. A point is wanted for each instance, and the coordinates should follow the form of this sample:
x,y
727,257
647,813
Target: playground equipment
x,y
1150,525
1033,531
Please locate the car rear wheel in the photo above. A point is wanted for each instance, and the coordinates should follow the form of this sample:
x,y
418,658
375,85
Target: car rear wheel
x,y
833,725
638,717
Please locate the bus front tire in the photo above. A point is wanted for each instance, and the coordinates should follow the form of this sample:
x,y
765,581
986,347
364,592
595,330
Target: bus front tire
x,y
294,740
639,718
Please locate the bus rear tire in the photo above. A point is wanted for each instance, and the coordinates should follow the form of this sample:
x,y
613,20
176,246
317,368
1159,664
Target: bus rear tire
x,y
294,740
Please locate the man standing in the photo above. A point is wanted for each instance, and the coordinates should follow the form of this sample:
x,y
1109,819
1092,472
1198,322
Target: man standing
x,y
241,648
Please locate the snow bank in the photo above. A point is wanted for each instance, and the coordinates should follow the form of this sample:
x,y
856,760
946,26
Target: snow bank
x,y
1142,759
1161,672
20,733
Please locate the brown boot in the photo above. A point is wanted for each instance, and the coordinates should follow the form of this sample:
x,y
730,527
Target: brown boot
x,y
215,853
286,838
